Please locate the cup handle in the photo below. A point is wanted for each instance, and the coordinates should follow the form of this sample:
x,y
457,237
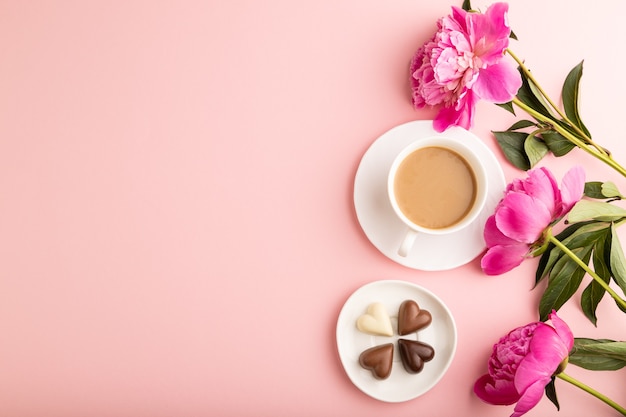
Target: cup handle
x,y
407,243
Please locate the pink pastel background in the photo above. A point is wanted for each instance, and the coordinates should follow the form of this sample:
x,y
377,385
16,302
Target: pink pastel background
x,y
177,229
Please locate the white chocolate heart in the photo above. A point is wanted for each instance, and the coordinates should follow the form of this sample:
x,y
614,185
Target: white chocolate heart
x,y
375,321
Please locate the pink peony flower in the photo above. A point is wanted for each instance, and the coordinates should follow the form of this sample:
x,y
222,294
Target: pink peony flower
x,y
529,207
523,363
462,64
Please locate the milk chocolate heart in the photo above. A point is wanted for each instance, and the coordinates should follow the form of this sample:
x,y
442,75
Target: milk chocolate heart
x,y
411,318
376,321
378,359
414,354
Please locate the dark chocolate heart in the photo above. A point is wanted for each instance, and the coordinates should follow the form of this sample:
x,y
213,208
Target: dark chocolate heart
x,y
378,359
411,318
414,354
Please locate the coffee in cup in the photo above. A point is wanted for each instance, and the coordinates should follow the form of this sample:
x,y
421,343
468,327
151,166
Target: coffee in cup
x,y
436,186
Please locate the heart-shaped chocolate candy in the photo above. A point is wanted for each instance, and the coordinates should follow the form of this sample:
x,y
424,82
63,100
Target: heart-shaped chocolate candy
x,y
378,359
414,354
375,321
411,318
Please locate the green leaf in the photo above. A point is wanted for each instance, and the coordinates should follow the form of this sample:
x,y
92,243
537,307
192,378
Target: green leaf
x,y
617,260
552,253
529,95
508,106
565,276
521,124
557,143
512,145
610,190
609,348
598,354
590,299
546,263
551,393
564,280
595,210
601,255
587,235
592,295
592,235
602,190
593,189
570,95
537,93
535,149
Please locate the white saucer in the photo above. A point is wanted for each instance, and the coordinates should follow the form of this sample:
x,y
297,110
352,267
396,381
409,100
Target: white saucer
x,y
386,231
400,385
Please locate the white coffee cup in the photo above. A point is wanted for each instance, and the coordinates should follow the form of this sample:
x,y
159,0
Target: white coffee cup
x,y
469,209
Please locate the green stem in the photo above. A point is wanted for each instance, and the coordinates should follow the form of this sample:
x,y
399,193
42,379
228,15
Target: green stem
x,y
592,391
531,77
580,138
586,268
593,151
556,108
534,113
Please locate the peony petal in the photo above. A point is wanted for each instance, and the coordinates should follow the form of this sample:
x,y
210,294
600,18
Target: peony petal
x,y
493,236
496,14
530,397
459,18
515,185
562,330
572,188
489,33
548,349
495,391
462,114
542,185
498,83
447,68
500,259
445,118
546,352
522,217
